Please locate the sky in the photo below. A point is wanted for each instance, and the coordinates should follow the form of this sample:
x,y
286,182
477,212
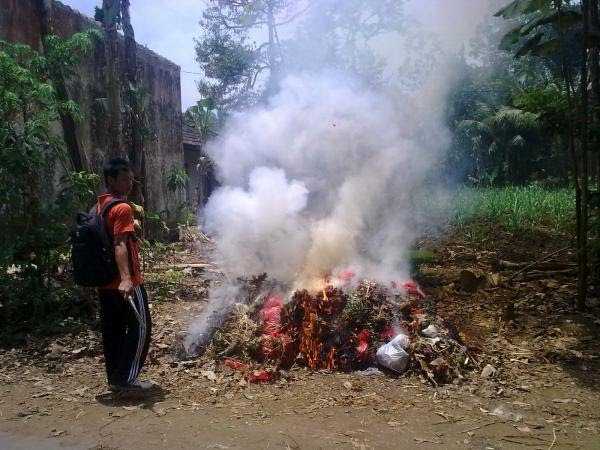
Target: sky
x,y
169,27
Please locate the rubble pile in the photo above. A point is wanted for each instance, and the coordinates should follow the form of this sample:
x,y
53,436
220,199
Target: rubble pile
x,y
342,328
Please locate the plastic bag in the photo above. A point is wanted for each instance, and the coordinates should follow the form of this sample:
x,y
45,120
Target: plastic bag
x,y
393,355
276,345
271,319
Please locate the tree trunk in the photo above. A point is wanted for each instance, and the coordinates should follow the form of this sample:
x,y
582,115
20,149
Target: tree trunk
x,y
134,132
111,11
273,51
595,73
582,284
580,161
77,158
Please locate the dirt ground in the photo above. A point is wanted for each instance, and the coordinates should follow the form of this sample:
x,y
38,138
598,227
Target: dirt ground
x,y
541,391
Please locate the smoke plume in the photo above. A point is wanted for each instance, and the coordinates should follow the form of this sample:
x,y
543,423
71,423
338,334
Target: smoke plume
x,y
331,174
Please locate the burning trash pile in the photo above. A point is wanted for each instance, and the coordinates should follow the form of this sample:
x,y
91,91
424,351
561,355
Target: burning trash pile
x,y
328,174
344,326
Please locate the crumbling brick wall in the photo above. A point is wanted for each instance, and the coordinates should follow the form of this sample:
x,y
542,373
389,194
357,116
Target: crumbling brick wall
x,y
20,21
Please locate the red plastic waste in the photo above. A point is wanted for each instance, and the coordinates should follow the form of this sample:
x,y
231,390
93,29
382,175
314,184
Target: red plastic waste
x,y
272,340
362,349
411,287
260,376
346,275
235,364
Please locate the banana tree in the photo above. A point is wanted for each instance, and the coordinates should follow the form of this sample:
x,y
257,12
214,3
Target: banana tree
x,y
539,26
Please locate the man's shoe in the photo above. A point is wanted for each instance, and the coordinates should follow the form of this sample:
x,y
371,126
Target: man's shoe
x,y
135,387
138,385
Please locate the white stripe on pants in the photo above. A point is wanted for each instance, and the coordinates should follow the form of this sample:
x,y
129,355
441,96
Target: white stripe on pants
x,y
135,364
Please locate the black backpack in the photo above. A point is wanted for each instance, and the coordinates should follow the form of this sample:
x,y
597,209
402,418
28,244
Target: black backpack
x,y
92,248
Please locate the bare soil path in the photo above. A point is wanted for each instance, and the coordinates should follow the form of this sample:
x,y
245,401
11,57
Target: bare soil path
x,y
544,393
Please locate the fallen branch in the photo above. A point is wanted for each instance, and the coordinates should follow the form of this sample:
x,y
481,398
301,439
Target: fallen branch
x,y
527,436
185,266
483,426
527,444
548,265
539,261
553,440
427,441
544,274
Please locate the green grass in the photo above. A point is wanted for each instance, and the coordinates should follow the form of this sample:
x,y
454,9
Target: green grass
x,y
517,208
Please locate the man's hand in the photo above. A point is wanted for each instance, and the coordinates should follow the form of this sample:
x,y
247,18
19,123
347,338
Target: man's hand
x,y
126,288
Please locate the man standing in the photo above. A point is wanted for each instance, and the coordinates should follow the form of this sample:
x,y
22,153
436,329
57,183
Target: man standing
x,y
126,323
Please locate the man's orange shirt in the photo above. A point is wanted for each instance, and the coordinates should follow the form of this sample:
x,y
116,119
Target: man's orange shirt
x,y
119,222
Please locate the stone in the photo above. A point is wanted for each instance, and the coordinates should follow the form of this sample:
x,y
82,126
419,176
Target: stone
x,y
488,371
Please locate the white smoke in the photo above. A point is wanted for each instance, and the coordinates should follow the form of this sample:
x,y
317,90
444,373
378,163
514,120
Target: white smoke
x,y
321,179
259,229
329,175
203,327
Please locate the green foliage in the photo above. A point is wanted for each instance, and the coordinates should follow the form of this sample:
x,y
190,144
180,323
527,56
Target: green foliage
x,y
177,179
164,223
517,208
138,108
98,14
232,64
357,310
185,216
228,64
502,137
165,284
156,221
79,189
340,36
332,35
509,116
63,55
519,7
34,219
416,258
205,118
540,25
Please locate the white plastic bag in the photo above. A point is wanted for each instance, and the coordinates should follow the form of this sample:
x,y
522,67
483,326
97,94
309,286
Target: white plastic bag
x,y
393,355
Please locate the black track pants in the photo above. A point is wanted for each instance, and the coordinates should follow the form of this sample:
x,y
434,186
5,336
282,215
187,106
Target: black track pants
x,y
126,339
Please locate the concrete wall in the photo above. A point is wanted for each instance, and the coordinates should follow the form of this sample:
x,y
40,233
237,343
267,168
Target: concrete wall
x,y
20,21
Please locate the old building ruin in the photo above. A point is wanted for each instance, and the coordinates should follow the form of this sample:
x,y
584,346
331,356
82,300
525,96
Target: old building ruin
x,y
21,21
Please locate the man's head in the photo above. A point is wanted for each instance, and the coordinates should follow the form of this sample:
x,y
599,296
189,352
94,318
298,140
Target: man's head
x,y
118,176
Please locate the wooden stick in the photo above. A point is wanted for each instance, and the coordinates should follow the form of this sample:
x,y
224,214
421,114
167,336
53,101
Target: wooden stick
x,y
548,265
553,440
483,426
544,274
185,266
528,444
529,266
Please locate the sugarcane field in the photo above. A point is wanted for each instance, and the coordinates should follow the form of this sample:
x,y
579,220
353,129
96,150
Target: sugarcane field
x,y
299,224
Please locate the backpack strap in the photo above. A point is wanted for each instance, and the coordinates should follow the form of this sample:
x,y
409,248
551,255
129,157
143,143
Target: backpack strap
x,y
105,209
107,237
109,205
